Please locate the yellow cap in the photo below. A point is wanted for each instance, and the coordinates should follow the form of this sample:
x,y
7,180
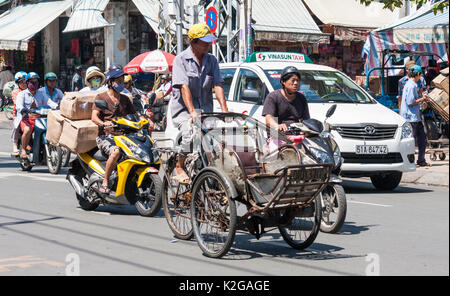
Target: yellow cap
x,y
200,31
128,78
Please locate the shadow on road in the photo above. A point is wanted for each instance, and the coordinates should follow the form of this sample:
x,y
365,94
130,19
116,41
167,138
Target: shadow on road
x,y
124,210
350,228
355,187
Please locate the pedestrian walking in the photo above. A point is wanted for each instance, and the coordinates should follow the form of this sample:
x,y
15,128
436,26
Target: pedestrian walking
x,y
77,80
411,102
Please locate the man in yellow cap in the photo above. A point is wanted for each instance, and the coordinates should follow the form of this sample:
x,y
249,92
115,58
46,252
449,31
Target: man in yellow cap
x,y
195,74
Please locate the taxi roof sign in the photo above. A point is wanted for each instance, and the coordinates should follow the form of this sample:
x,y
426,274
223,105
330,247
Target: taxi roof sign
x,y
278,57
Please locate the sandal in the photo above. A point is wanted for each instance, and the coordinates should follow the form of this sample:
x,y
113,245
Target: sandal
x,y
182,178
104,189
424,164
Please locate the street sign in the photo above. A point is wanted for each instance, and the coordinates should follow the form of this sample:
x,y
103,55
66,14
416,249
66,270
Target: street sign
x,y
212,19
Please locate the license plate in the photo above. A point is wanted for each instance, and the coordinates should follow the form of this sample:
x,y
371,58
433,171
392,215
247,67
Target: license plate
x,y
372,149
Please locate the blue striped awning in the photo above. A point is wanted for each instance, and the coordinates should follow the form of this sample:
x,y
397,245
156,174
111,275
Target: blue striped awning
x,y
87,15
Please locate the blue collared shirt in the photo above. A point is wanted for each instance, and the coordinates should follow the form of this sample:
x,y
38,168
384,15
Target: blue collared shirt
x,y
50,100
410,95
187,71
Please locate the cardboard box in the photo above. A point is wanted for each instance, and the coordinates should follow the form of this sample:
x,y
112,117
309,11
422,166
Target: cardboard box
x,y
440,97
441,82
79,136
55,122
78,106
445,72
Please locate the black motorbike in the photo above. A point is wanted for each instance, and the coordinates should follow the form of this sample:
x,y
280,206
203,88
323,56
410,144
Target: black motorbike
x,y
320,146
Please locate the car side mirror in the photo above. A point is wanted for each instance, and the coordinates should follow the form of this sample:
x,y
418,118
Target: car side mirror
x,y
251,95
101,104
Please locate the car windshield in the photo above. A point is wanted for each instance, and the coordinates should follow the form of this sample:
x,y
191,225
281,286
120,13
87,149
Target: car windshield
x,y
324,87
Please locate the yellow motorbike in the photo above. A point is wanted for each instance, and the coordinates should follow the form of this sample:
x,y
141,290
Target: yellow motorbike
x,y
135,180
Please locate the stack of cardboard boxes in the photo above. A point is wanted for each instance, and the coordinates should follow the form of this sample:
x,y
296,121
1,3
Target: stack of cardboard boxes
x,y
440,95
71,126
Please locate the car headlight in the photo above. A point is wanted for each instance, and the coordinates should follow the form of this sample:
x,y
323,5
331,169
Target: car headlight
x,y
337,156
407,131
321,156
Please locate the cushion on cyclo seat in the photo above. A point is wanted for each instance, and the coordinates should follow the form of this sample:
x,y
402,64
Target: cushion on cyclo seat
x,y
248,160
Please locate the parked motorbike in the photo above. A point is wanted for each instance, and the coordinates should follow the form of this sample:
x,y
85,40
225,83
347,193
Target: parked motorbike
x,y
318,143
41,152
135,180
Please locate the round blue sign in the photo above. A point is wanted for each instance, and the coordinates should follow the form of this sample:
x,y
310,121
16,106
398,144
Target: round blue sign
x,y
211,19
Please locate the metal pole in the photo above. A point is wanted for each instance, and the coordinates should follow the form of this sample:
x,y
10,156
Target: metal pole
x,y
229,31
179,23
249,28
242,31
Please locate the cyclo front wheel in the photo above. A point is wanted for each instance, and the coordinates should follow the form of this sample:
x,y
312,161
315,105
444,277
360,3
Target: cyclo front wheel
x,y
213,214
176,200
302,230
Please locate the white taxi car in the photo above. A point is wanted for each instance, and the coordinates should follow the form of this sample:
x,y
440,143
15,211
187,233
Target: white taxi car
x,y
374,141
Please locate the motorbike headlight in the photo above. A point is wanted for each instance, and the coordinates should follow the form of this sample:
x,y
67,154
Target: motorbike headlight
x,y
321,156
137,153
407,131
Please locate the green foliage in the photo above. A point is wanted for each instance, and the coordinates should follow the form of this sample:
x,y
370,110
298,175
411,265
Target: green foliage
x,y
392,4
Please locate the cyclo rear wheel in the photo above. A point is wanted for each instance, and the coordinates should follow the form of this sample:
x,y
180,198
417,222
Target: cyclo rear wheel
x,y
213,214
176,203
301,232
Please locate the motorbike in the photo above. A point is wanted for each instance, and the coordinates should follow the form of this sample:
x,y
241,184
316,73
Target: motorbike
x,y
157,113
134,181
41,152
8,108
318,144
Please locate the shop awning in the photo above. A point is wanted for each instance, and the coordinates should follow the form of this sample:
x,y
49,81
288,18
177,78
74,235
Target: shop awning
x,y
350,13
286,20
425,28
150,10
87,15
21,23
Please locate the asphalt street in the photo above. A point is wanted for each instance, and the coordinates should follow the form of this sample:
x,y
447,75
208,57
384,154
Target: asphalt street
x,y
44,232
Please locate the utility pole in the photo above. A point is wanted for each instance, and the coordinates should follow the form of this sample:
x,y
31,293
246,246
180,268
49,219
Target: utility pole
x,y
179,24
249,27
243,31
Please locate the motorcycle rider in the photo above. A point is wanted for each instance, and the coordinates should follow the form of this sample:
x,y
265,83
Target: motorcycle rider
x,y
95,80
195,74
77,79
51,94
286,106
19,78
26,100
165,88
119,105
138,96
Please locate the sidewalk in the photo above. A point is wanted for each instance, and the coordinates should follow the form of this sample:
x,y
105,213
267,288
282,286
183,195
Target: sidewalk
x,y
437,175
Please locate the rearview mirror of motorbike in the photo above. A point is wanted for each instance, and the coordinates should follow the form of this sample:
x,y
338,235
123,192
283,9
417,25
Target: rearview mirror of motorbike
x,y
101,104
152,98
314,125
331,111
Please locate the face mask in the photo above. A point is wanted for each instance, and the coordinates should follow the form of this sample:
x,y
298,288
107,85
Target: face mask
x,y
33,86
95,83
118,87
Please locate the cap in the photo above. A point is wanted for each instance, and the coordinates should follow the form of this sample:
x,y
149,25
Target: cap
x,y
201,31
114,73
128,78
416,69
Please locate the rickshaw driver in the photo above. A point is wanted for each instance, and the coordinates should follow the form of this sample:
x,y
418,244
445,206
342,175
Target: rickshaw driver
x,y
195,74
286,105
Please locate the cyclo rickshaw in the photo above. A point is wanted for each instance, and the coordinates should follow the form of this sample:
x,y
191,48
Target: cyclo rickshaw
x,y
240,181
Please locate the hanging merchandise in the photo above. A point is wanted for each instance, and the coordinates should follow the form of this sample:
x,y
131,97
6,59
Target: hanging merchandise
x,y
31,52
75,48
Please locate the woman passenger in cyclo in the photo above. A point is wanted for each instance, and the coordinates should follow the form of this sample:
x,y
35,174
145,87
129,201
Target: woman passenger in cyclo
x,y
26,100
285,106
19,78
95,80
119,105
50,93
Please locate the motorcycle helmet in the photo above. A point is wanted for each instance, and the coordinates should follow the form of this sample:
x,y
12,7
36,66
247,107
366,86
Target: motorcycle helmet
x,y
114,73
128,78
20,76
50,76
288,71
32,75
